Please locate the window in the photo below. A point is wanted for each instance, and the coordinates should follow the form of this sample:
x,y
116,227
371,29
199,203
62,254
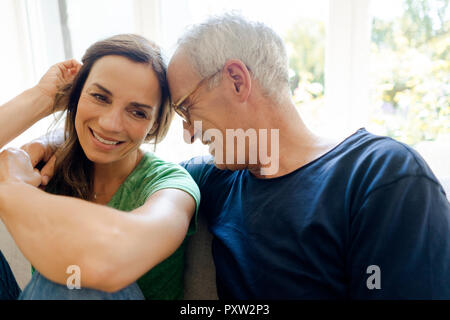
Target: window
x,y
410,76
90,21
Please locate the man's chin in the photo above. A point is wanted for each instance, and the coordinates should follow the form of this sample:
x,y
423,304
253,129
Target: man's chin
x,y
221,166
232,167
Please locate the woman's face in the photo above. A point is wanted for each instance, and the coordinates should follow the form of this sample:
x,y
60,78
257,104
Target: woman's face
x,y
117,108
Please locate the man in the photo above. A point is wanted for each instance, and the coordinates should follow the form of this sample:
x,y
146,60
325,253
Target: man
x,y
362,219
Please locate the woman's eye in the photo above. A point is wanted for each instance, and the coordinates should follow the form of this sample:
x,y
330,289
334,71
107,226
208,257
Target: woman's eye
x,y
139,114
99,97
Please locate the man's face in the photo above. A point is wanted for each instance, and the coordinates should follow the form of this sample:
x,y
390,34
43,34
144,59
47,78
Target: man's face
x,y
211,108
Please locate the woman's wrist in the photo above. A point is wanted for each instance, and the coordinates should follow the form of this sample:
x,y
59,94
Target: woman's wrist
x,y
41,101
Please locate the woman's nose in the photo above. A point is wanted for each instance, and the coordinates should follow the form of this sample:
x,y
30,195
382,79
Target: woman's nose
x,y
111,120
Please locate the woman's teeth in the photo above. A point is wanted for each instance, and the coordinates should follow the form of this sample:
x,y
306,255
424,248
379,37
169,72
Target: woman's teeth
x,y
103,140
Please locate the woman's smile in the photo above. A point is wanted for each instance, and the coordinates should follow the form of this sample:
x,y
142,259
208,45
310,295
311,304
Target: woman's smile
x,y
103,142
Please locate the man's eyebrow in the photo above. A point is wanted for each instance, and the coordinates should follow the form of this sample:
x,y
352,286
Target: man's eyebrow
x,y
141,105
103,88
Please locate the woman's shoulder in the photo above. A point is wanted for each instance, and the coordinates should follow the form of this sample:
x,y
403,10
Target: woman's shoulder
x,y
152,166
154,173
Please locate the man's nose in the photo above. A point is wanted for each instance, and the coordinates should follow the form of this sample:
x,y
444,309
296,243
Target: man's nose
x,y
111,119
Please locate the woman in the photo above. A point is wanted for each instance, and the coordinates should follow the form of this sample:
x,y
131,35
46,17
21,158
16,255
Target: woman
x,y
117,214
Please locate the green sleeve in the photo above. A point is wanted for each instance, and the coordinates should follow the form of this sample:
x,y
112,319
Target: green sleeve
x,y
174,176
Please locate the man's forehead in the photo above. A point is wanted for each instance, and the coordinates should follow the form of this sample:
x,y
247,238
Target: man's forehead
x,y
181,75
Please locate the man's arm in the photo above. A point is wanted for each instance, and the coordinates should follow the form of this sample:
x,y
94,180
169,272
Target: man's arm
x,y
111,247
400,242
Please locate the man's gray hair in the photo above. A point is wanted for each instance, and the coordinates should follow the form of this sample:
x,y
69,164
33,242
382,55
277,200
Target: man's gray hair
x,y
230,36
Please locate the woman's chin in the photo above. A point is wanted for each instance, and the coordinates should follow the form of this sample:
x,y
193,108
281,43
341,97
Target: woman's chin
x,y
98,158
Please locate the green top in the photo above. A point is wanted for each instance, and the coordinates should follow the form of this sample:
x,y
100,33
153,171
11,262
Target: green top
x,y
165,280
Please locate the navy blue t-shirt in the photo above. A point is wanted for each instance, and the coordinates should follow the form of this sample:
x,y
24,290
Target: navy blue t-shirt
x,y
367,220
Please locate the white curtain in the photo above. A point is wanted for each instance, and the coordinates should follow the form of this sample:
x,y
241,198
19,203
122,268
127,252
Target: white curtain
x,y
346,64
31,36
15,62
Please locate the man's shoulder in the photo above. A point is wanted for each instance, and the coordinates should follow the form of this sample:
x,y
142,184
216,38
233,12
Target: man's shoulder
x,y
372,162
377,155
203,170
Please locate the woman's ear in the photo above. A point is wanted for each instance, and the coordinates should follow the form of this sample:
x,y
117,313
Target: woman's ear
x,y
239,78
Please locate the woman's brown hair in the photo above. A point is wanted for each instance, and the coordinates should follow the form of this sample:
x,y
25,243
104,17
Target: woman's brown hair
x,y
73,170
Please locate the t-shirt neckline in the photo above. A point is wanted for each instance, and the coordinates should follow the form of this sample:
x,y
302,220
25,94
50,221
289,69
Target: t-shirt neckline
x,y
141,162
305,166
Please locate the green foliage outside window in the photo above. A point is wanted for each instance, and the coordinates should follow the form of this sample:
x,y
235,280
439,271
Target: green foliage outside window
x,y
410,77
411,72
306,48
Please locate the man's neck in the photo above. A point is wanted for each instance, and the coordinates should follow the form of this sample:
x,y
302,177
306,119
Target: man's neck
x,y
297,145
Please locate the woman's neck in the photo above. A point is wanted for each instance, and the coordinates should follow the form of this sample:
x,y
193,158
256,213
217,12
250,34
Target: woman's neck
x,y
109,177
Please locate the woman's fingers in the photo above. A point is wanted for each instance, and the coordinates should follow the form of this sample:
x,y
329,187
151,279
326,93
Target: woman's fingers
x,y
41,153
58,76
36,178
48,170
71,63
69,68
36,151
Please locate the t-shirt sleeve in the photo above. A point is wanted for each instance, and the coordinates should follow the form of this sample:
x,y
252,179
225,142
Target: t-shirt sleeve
x,y
198,168
400,242
175,177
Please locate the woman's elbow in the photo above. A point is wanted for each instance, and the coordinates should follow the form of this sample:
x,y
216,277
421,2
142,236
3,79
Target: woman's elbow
x,y
103,277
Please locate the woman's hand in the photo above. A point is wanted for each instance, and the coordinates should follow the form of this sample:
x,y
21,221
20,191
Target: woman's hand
x,y
40,151
15,166
57,77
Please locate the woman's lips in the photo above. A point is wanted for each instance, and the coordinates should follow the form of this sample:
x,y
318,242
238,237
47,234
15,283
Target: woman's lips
x,y
104,143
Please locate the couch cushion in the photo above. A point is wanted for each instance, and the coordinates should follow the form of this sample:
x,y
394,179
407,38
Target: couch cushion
x,y
19,265
200,274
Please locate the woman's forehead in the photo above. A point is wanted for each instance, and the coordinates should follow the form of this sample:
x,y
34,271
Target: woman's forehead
x,y
122,76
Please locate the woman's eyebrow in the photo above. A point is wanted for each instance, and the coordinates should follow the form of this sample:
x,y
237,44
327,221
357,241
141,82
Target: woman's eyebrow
x,y
134,104
103,89
141,105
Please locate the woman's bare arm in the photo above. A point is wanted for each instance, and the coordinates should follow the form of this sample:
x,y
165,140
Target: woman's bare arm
x,y
111,247
23,111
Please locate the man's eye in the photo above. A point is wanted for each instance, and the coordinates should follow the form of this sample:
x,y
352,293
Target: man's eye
x,y
99,97
184,107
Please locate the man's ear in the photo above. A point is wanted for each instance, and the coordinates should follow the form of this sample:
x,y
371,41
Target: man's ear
x,y
238,76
